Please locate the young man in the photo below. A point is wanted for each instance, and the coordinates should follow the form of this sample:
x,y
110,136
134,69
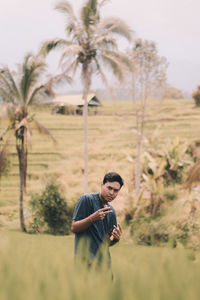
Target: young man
x,y
94,220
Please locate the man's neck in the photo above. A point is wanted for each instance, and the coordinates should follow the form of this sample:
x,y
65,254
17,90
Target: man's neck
x,y
102,199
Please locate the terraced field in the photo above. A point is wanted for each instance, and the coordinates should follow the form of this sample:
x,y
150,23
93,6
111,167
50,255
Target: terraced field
x,y
112,138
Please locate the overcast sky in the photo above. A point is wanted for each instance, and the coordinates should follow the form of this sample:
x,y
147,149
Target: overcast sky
x,y
174,25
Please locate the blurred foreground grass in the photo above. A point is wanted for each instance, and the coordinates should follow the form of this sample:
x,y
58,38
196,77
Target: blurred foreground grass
x,y
42,267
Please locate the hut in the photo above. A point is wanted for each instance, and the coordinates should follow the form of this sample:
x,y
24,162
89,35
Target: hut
x,y
73,104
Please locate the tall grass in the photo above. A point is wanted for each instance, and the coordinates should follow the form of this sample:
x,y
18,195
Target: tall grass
x,y
42,267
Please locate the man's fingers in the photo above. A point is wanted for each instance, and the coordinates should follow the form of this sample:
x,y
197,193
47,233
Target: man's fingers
x,y
104,208
107,211
120,229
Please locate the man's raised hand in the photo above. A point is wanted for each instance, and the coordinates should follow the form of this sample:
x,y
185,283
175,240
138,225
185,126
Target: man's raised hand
x,y
100,214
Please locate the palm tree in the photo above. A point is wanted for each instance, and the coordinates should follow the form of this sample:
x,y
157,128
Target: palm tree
x,y
92,42
18,91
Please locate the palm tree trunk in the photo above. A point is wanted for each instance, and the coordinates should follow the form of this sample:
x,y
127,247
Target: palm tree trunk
x,y
85,114
140,118
21,157
138,167
86,77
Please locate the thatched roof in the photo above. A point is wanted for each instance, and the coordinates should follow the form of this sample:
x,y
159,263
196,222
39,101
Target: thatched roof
x,y
76,100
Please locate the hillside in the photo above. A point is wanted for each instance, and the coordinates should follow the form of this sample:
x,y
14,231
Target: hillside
x,y
112,138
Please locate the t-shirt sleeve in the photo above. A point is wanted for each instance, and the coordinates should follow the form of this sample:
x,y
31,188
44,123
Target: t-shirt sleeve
x,y
82,209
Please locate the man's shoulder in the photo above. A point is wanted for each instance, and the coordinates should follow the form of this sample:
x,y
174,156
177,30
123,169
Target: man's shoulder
x,y
112,208
89,197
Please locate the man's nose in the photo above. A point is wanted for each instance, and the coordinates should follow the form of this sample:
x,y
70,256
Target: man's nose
x,y
111,192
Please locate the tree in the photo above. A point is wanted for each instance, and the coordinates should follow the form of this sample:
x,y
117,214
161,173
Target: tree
x,y
196,96
18,91
171,92
92,42
148,78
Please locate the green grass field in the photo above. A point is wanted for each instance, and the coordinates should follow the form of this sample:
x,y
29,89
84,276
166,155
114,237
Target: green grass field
x,y
42,266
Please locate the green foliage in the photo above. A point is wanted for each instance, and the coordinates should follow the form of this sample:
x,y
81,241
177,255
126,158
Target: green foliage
x,y
149,231
169,162
196,96
176,226
50,210
171,194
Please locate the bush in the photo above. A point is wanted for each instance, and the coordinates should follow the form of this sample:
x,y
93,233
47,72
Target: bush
x,y
171,194
50,211
149,231
196,96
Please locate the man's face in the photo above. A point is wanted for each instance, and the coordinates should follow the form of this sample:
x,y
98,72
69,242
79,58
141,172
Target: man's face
x,y
109,191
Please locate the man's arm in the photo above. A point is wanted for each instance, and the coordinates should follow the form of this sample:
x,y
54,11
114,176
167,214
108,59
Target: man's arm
x,y
81,225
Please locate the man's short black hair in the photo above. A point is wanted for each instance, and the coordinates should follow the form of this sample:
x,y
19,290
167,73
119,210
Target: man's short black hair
x,y
111,177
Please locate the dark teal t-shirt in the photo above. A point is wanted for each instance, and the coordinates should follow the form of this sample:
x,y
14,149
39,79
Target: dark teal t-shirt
x,y
97,233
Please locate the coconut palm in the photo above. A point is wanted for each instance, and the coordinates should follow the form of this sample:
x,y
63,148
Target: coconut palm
x,y
18,91
91,43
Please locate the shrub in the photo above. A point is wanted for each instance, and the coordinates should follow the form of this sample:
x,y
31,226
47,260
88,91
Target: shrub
x,y
50,211
169,162
171,194
149,231
196,96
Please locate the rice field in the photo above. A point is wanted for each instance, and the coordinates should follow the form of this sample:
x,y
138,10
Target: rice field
x,y
42,267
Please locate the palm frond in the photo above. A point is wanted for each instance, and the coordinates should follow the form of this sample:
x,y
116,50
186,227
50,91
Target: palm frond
x,y
85,17
193,176
61,78
89,14
72,67
122,58
105,41
103,77
116,26
9,112
4,131
5,96
43,130
66,8
103,2
7,83
31,71
71,50
52,44
118,62
93,5
113,64
3,158
36,95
